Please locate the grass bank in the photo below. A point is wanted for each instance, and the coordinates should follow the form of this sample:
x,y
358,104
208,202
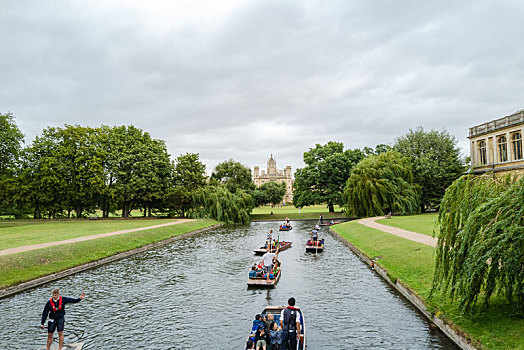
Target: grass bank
x,y
422,223
18,233
21,267
413,264
281,212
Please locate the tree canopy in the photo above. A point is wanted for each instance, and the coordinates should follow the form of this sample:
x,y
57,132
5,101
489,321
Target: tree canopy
x,y
274,192
323,178
217,202
11,140
380,184
480,249
189,176
233,175
436,162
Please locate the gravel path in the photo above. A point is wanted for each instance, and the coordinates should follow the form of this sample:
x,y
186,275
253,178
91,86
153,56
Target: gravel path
x,y
412,236
29,247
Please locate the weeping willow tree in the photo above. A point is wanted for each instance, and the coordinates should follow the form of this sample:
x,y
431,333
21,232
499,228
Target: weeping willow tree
x,y
480,250
217,202
380,184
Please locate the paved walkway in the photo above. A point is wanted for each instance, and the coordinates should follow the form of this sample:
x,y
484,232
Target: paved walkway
x,y
412,236
29,247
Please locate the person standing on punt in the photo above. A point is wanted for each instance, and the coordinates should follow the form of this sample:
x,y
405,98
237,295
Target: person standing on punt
x,y
55,308
267,258
290,323
314,235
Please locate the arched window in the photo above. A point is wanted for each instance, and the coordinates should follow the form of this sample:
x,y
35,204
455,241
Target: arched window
x,y
503,149
482,152
517,146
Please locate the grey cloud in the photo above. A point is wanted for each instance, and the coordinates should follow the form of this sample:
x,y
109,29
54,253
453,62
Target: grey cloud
x,y
272,77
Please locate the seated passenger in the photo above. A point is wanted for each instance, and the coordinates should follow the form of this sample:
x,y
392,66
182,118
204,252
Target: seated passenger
x,y
250,344
257,322
253,272
260,339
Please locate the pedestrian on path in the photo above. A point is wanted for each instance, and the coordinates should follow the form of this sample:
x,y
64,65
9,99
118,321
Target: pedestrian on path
x,y
55,308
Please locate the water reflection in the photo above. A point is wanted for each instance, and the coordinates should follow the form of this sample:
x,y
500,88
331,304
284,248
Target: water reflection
x,y
192,294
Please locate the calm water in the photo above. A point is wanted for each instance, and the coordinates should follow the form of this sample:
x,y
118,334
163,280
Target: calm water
x,y
192,294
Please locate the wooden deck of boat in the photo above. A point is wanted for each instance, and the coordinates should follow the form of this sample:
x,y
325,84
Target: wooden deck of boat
x,y
262,282
72,346
262,251
314,249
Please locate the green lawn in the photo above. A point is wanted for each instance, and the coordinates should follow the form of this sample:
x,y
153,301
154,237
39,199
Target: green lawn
x,y
18,233
281,212
422,223
413,264
21,267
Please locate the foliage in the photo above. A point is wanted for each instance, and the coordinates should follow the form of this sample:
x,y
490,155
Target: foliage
x,y
218,203
189,176
379,184
233,175
273,192
11,139
480,251
436,162
323,179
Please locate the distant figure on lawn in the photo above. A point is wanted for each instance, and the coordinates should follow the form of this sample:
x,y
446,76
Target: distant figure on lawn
x,y
55,308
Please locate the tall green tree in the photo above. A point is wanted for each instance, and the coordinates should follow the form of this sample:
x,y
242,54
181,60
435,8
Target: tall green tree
x,y
380,184
11,140
274,192
189,176
139,166
233,175
324,177
42,178
480,249
436,162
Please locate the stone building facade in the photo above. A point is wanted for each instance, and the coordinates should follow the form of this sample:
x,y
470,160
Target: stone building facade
x,y
496,146
272,174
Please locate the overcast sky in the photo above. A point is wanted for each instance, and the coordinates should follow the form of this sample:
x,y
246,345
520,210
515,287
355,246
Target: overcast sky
x,y
243,79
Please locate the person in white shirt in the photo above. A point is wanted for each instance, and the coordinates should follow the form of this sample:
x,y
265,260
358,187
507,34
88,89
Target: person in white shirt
x,y
267,258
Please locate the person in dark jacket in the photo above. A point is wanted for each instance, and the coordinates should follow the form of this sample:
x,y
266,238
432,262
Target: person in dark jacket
x,y
290,323
55,309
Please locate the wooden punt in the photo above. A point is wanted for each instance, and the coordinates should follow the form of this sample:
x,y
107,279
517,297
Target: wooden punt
x,y
289,228
283,246
72,346
263,282
329,224
276,311
314,248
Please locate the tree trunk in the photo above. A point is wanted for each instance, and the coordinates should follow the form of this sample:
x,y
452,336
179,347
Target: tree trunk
x,y
331,208
79,209
36,214
149,210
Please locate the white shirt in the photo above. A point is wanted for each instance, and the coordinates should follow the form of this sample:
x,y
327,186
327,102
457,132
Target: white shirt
x,y
268,258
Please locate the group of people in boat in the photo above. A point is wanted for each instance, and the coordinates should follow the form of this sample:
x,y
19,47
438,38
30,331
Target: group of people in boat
x,y
286,225
268,268
268,334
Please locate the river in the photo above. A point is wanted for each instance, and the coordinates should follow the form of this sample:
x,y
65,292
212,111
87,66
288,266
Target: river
x,y
192,294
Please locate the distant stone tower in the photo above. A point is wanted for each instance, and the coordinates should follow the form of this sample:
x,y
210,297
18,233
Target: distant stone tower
x,y
273,174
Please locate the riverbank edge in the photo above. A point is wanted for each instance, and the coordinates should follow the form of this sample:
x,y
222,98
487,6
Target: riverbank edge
x,y
449,330
5,292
